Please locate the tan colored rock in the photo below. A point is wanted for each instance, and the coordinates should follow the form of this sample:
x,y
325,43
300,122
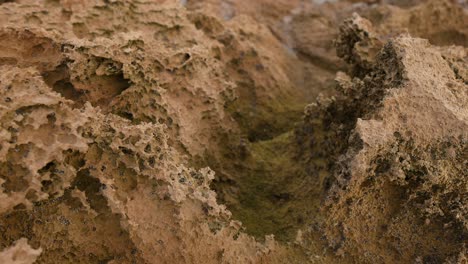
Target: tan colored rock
x,y
20,253
397,154
143,131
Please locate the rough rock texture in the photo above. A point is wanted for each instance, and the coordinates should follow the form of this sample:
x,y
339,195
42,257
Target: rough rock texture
x,y
20,253
97,118
97,183
398,192
142,131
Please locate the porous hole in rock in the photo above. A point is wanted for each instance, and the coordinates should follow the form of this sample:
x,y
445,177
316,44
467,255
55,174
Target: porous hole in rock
x,y
103,81
59,81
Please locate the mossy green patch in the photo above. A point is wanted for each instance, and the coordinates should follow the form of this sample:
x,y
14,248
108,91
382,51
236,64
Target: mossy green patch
x,y
263,119
267,200
260,174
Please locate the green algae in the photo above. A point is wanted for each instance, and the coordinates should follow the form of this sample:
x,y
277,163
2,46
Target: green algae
x,y
261,175
264,199
267,187
264,118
